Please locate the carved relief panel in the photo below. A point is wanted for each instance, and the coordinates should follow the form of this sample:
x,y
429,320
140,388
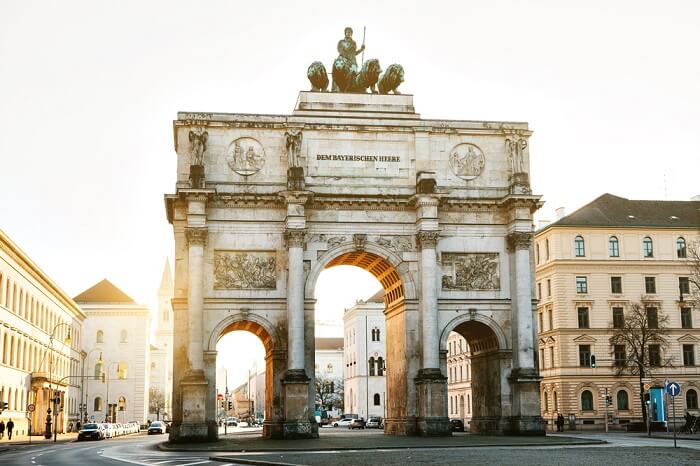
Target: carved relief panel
x,y
470,271
244,270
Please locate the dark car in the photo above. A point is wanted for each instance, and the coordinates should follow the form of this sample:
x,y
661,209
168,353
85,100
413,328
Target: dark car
x,y
156,427
457,425
91,432
357,424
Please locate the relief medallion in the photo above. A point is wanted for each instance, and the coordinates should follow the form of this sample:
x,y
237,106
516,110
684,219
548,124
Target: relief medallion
x,y
245,156
467,161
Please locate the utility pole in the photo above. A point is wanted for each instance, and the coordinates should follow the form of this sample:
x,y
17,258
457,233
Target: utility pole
x,y
606,410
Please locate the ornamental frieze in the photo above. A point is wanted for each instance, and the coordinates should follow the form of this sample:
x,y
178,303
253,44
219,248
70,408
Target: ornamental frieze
x,y
239,270
470,271
397,244
467,161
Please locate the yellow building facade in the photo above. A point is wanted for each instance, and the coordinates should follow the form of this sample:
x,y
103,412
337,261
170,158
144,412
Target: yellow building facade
x,y
591,266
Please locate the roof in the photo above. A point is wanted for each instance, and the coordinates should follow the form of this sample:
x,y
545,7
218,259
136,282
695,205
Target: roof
x,y
377,297
104,292
614,211
329,343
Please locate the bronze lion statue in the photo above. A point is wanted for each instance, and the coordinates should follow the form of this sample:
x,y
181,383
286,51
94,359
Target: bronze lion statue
x,y
391,79
367,77
318,77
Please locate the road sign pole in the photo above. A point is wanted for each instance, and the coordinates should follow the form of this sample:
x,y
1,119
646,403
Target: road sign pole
x,y
606,410
673,401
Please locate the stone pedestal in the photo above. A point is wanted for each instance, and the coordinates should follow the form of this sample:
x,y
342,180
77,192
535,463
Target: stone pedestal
x,y
526,419
193,427
432,418
298,421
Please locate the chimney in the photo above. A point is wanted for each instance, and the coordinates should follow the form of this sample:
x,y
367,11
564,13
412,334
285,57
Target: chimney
x,y
561,213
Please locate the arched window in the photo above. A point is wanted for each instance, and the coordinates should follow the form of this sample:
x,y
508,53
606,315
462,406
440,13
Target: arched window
x,y
613,247
98,370
121,404
124,337
377,399
329,367
691,399
586,401
546,249
371,366
100,338
380,366
681,250
546,402
378,332
97,406
647,247
556,402
537,252
579,247
623,401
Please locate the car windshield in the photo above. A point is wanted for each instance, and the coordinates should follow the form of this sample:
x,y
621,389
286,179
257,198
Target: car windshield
x,y
90,426
155,424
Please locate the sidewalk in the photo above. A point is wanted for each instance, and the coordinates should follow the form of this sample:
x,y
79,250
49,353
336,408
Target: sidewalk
x,y
36,439
358,441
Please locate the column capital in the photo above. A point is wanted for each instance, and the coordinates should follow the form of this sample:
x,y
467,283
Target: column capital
x,y
427,239
196,235
519,240
295,238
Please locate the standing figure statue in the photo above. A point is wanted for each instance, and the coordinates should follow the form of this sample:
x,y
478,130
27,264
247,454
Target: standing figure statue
x,y
515,148
293,143
198,146
347,48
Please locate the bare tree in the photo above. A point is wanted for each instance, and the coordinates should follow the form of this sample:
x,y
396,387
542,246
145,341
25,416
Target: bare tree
x,y
694,264
156,401
643,335
329,392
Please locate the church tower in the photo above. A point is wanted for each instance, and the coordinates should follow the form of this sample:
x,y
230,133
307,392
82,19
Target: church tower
x,y
164,334
161,370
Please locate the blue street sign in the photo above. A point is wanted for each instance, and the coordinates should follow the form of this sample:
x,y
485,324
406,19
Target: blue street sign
x,y
673,389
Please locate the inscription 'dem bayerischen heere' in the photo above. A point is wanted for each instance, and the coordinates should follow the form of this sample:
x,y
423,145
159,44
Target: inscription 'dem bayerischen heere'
x,y
359,158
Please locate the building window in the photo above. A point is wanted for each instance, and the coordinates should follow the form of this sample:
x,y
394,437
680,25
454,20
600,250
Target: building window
x,y
623,401
121,405
618,317
98,370
648,247
584,355
121,370
551,356
686,318
537,252
688,355
546,249
613,247
691,399
681,250
329,368
539,318
546,402
97,404
100,338
380,366
539,291
375,334
620,355
616,285
579,247
549,287
550,318
654,355
586,401
583,318
371,366
650,285
377,399
556,402
124,337
684,285
652,317
581,285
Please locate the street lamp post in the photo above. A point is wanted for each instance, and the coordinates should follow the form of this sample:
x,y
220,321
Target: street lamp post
x,y
67,342
108,413
83,390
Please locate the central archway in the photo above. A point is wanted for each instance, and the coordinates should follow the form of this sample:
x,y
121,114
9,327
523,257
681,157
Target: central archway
x,y
401,358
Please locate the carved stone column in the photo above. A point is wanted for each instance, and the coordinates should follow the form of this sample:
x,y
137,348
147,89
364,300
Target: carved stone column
x,y
210,408
196,239
431,384
524,379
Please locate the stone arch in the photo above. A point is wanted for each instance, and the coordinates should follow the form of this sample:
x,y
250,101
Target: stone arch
x,y
252,323
374,256
489,358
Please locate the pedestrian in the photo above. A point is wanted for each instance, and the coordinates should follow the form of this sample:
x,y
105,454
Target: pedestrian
x,y
560,422
10,426
2,429
77,426
70,427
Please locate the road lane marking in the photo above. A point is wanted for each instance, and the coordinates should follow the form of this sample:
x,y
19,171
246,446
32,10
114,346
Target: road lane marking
x,y
198,462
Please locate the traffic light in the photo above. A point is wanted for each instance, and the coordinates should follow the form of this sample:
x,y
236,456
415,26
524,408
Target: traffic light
x,y
230,405
593,365
646,398
3,406
608,400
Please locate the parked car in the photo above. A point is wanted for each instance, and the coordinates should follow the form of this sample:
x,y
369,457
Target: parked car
x,y
108,429
357,424
457,425
232,421
91,432
156,427
374,422
345,422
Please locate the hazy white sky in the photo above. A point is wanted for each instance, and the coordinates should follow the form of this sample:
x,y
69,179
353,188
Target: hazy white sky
x,y
89,89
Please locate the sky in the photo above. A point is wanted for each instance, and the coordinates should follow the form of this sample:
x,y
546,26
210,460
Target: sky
x,y
89,90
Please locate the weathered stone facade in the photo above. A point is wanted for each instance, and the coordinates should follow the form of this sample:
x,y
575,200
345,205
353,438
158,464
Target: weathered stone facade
x,y
375,186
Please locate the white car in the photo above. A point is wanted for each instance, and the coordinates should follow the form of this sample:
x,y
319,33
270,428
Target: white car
x,y
343,423
109,430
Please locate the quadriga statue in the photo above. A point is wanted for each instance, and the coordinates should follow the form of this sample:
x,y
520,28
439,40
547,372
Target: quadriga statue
x,y
345,80
318,77
391,79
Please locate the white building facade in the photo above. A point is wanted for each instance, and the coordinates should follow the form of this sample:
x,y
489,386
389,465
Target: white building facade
x,y
459,387
40,334
117,345
365,358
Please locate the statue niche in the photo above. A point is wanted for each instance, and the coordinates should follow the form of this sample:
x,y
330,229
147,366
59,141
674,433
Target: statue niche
x,y
198,146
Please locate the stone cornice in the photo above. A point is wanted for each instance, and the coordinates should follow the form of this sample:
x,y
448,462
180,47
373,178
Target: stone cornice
x,y
296,197
512,201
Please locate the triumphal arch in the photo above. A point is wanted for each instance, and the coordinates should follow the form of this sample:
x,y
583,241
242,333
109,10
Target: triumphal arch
x,y
439,211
